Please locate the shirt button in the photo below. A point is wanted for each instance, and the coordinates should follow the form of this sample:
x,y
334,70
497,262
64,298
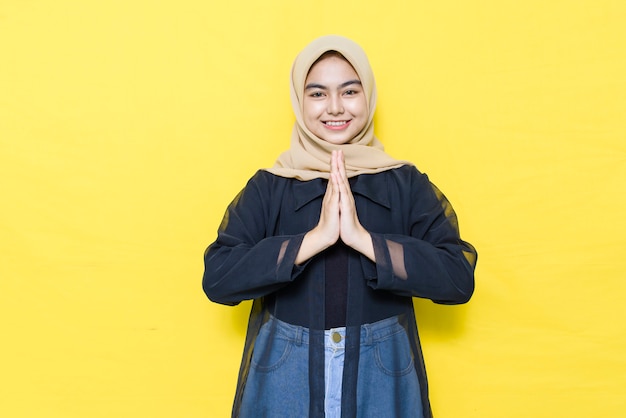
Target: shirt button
x,y
336,337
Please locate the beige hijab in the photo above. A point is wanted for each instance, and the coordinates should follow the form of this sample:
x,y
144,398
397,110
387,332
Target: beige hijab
x,y
309,155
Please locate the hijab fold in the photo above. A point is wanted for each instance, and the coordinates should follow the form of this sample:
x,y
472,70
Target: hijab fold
x,y
309,156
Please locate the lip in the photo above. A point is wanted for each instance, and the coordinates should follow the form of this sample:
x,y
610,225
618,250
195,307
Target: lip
x,y
336,127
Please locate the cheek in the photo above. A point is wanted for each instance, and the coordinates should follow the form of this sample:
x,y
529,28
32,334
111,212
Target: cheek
x,y
360,111
306,110
308,115
363,105
358,108
311,111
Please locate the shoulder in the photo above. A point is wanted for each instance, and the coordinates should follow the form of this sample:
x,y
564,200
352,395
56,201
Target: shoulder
x,y
407,175
258,190
270,187
408,183
264,180
264,176
403,177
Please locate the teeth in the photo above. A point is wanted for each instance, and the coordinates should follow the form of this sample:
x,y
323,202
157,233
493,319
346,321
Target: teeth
x,y
332,123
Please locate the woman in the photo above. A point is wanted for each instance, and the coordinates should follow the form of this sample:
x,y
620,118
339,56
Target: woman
x,y
331,244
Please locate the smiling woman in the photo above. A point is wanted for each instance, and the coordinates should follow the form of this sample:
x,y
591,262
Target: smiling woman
x,y
331,244
334,106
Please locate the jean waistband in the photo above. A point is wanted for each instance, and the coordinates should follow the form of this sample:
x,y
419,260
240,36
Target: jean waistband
x,y
370,333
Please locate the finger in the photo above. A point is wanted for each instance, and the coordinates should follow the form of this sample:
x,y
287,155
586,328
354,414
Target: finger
x,y
341,160
341,163
346,200
329,215
343,175
332,170
338,183
333,161
341,166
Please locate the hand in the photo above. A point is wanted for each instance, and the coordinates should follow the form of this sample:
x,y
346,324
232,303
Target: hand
x,y
338,217
351,231
328,228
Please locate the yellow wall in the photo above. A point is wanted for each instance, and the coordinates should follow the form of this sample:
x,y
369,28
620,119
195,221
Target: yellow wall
x,y
126,126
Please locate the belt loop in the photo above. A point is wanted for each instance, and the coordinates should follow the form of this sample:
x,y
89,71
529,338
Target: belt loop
x,y
298,336
368,334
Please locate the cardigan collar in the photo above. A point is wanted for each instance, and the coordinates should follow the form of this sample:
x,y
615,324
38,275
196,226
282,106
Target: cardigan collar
x,y
374,188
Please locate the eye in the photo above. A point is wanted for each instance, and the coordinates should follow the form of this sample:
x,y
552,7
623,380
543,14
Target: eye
x,y
350,92
316,94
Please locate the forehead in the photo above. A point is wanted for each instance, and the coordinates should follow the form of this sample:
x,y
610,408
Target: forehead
x,y
331,66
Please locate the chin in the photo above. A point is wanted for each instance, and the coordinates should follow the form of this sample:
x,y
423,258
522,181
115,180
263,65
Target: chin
x,y
336,141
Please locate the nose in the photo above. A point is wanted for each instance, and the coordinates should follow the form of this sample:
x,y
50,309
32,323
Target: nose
x,y
335,105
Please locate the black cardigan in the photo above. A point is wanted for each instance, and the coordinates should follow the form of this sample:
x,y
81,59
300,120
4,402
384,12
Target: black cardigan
x,y
417,246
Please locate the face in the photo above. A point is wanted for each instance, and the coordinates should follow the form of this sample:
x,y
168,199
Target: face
x,y
334,104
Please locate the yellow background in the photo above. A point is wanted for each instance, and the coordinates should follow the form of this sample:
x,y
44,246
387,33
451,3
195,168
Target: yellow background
x,y
126,127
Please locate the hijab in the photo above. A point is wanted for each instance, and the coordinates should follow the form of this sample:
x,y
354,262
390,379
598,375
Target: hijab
x,y
309,156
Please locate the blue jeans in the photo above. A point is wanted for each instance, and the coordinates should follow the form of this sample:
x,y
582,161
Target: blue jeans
x,y
278,382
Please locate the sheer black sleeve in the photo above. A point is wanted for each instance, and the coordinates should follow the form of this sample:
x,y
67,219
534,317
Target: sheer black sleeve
x,y
246,261
430,261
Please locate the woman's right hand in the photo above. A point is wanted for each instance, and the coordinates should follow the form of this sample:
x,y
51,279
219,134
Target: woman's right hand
x,y
329,225
327,230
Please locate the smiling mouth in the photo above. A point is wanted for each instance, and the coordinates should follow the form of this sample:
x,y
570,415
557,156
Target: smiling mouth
x,y
336,124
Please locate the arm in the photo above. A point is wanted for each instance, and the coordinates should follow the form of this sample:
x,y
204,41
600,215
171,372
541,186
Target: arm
x,y
430,261
245,262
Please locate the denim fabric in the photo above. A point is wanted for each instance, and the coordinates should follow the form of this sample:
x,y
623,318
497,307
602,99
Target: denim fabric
x,y
388,386
335,350
277,385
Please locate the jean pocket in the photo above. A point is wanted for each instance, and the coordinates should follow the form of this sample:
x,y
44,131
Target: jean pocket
x,y
271,349
393,355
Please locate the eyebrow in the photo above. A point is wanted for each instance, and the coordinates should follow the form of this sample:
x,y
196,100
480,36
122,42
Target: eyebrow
x,y
321,86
